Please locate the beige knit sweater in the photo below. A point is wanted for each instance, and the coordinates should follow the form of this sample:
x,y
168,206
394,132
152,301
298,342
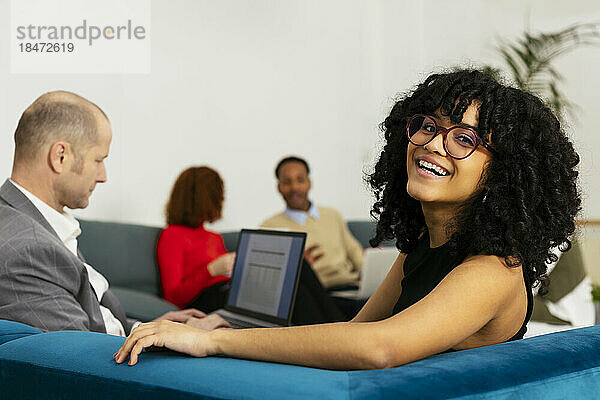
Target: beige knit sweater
x,y
343,254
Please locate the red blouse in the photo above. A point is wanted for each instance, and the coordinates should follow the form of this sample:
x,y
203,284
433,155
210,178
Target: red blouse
x,y
183,257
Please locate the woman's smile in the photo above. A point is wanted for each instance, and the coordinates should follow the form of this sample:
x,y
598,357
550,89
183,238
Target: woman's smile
x,y
429,167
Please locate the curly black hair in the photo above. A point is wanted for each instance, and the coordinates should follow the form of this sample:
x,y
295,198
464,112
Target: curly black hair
x,y
530,185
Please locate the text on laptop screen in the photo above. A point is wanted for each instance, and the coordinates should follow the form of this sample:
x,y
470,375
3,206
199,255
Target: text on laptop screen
x,y
265,273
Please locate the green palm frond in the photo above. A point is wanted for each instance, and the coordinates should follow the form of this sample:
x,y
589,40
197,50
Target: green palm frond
x,y
530,58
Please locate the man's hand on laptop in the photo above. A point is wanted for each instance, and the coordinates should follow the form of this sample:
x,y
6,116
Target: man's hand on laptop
x,y
195,318
311,254
181,315
210,322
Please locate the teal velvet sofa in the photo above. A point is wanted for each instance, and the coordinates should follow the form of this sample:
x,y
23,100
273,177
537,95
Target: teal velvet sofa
x,y
76,365
126,255
79,365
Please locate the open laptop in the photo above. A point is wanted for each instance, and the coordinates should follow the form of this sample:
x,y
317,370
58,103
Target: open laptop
x,y
265,278
376,265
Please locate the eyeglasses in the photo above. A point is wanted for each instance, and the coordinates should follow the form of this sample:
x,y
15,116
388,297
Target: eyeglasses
x,y
459,142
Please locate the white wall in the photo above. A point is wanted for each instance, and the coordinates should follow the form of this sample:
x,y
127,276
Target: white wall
x,y
238,84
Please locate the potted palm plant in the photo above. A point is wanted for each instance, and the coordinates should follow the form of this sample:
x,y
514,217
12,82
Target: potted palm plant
x,y
529,60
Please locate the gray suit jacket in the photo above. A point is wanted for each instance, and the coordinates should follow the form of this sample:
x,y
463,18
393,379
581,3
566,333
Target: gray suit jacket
x,y
42,283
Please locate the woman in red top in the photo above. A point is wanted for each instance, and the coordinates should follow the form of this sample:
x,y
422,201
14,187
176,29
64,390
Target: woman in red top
x,y
195,267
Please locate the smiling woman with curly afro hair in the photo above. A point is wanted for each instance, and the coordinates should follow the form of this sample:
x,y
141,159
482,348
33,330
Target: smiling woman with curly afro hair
x,y
476,183
527,198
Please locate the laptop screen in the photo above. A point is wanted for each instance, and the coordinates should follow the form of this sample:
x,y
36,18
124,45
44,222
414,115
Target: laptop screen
x,y
265,274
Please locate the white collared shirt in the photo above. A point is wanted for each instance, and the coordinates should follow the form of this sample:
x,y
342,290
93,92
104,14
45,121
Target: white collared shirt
x,y
67,229
300,216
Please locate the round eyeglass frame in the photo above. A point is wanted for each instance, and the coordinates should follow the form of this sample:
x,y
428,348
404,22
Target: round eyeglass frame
x,y
444,132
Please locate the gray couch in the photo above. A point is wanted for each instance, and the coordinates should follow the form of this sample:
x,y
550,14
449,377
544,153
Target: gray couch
x,y
126,255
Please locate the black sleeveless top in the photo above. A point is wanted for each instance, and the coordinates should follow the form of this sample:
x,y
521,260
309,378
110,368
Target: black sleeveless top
x,y
424,269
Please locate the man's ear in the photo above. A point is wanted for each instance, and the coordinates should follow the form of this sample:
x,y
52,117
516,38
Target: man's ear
x,y
279,187
57,158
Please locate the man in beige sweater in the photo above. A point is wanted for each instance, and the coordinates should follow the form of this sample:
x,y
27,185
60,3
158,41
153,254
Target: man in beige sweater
x,y
334,254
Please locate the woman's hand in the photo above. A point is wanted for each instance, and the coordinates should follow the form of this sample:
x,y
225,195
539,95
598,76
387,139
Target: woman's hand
x,y
222,265
172,335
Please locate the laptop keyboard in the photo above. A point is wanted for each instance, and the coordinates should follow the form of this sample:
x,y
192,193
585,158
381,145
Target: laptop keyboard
x,y
240,324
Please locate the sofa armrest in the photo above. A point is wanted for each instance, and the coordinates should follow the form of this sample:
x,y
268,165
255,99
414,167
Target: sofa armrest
x,y
78,365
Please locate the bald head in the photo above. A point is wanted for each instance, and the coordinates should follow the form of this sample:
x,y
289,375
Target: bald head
x,y
53,117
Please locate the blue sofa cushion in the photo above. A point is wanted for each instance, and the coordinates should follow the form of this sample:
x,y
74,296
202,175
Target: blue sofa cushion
x,y
125,254
364,231
10,330
80,364
230,239
141,305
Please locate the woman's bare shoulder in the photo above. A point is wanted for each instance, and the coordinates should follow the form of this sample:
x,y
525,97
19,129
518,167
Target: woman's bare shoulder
x,y
493,268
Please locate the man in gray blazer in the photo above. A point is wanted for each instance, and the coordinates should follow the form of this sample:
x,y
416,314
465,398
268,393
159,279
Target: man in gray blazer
x,y
61,142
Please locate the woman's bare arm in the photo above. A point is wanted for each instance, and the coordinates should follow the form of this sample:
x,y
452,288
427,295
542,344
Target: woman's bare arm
x,y
465,301
381,304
